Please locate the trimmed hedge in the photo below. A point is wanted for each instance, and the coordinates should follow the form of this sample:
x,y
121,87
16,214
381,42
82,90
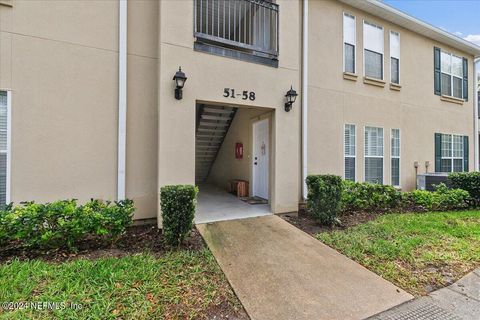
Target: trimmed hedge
x,y
324,197
368,196
178,210
469,181
442,199
329,196
63,223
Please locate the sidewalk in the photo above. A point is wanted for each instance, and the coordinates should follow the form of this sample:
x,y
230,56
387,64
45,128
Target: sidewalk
x,y
280,272
460,301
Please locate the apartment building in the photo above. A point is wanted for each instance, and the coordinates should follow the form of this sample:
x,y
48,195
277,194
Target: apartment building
x,y
114,99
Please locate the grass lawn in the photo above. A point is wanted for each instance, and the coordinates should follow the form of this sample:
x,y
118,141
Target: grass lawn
x,y
176,285
418,252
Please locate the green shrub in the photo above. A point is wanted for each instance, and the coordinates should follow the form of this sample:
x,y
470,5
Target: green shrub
x,y
63,223
368,196
468,181
441,199
178,210
324,197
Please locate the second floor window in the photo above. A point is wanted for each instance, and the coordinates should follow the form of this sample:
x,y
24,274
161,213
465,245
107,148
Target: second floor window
x,y
349,43
450,75
394,57
373,55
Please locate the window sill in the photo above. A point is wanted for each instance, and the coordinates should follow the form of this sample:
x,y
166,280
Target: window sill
x,y
374,82
451,99
350,76
7,3
395,86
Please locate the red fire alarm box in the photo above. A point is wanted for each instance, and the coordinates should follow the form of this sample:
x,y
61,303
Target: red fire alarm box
x,y
239,150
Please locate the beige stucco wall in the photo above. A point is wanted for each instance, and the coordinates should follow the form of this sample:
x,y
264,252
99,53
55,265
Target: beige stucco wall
x,y
207,76
64,81
415,110
226,167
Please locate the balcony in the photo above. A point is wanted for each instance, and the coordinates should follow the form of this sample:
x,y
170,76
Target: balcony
x,y
242,29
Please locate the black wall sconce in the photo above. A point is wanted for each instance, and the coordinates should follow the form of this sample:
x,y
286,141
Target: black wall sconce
x,y
179,79
291,96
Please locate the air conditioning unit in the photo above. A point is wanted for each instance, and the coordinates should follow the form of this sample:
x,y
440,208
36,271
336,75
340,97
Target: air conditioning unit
x,y
428,181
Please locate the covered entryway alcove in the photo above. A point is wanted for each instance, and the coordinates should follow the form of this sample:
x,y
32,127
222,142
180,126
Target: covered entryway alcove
x,y
233,150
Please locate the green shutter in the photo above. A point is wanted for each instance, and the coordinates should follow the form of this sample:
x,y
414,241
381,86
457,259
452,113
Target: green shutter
x,y
437,79
465,154
465,79
438,152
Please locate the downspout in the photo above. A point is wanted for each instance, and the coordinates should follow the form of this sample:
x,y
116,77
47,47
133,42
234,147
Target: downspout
x,y
476,69
122,98
304,98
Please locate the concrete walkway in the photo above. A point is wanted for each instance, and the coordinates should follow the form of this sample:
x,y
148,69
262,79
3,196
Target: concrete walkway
x,y
460,301
279,272
215,204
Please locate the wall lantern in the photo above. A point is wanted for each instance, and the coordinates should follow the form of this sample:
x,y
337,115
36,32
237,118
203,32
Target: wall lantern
x,y
179,79
291,97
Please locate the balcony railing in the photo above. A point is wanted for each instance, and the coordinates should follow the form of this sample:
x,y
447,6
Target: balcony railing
x,y
245,25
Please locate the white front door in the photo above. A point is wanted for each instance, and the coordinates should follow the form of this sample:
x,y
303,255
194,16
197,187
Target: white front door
x,y
260,158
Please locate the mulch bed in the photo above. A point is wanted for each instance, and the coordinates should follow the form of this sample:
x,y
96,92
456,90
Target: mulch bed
x,y
137,239
307,224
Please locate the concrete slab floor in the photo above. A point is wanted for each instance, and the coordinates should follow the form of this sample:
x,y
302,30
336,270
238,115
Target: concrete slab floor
x,y
280,272
215,204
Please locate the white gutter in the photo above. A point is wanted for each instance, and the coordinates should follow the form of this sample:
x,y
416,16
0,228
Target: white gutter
x,y
476,69
122,97
305,99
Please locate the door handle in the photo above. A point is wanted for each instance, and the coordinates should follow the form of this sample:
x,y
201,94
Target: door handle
x,y
255,163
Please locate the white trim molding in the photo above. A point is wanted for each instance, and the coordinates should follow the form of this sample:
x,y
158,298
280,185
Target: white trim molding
x,y
122,98
476,73
305,100
8,194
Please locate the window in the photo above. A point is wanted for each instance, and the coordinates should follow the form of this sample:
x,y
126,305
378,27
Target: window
x,y
395,157
373,57
350,152
4,147
394,57
374,155
452,75
349,43
452,153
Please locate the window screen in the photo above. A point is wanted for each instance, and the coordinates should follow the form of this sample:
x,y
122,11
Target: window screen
x,y
373,43
3,147
350,151
395,157
374,155
349,41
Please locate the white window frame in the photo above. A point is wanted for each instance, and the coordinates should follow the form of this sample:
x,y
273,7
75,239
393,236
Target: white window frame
x,y
9,145
383,53
353,44
452,158
365,152
396,157
451,73
390,53
349,156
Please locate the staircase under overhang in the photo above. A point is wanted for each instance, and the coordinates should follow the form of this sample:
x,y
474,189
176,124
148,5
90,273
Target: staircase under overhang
x,y
213,123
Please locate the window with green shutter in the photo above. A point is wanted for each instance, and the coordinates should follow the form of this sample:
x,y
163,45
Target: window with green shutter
x,y
450,74
451,153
